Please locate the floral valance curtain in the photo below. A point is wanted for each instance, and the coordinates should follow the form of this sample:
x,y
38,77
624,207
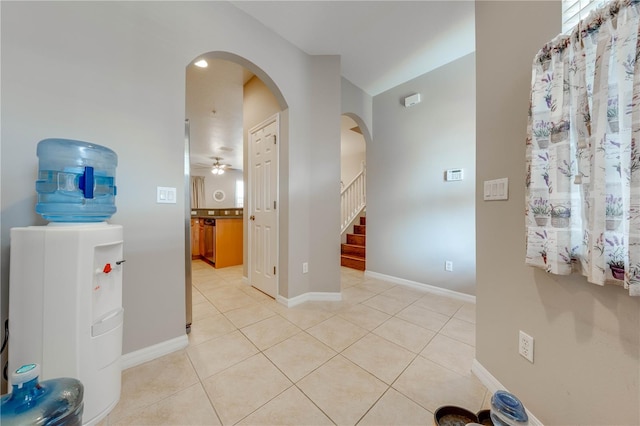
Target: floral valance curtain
x,y
583,161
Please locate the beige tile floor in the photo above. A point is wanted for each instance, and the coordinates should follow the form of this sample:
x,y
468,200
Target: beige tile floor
x,y
385,355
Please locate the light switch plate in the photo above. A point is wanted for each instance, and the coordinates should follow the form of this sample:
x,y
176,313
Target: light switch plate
x,y
497,189
166,195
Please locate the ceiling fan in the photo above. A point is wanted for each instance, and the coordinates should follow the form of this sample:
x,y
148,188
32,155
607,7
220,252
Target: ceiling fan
x,y
217,168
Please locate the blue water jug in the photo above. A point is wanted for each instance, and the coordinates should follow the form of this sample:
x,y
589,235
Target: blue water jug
x,y
76,181
507,410
52,402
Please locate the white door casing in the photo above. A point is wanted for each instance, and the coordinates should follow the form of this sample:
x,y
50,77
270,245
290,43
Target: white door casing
x,y
263,205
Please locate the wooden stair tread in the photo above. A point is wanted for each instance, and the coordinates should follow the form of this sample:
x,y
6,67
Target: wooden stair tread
x,y
351,256
353,245
353,262
360,229
354,237
353,252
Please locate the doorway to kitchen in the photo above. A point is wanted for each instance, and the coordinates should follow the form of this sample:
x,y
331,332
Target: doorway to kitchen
x,y
226,96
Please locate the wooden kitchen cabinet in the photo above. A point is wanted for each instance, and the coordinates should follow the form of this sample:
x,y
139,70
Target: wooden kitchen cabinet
x,y
228,242
195,238
222,245
201,237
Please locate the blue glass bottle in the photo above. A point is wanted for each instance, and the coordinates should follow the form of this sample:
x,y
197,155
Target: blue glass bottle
x,y
54,402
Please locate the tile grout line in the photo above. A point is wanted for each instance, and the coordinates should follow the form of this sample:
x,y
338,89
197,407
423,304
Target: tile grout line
x,y
204,389
231,283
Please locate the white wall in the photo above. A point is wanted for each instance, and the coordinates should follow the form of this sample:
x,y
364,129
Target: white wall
x,y
587,342
352,151
415,219
114,73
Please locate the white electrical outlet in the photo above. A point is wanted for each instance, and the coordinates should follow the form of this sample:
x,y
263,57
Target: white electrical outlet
x,y
448,266
525,346
305,267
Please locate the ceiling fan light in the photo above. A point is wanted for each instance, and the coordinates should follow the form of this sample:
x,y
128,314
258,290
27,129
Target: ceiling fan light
x,y
217,170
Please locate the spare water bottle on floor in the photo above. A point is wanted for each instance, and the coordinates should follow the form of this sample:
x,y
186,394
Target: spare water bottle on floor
x,y
54,402
76,181
507,410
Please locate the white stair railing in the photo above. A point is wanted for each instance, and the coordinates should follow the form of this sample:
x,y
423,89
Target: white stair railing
x,y
352,200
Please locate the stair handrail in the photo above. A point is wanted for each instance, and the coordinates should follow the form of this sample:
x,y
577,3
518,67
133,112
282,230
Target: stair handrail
x,y
352,200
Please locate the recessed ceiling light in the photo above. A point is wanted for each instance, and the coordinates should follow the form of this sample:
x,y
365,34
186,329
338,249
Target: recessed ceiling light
x,y
201,63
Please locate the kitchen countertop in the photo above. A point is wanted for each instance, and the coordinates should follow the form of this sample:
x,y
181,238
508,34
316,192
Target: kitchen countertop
x,y
217,217
228,213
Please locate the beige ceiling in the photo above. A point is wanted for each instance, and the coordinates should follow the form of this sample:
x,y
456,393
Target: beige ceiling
x,y
214,97
381,44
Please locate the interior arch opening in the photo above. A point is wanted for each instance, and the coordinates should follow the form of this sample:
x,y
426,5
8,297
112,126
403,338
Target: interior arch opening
x,y
353,134
225,97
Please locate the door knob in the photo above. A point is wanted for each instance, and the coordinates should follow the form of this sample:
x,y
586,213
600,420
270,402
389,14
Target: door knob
x,y
252,217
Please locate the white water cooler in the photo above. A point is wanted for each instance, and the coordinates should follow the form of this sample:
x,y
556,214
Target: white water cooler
x,y
65,307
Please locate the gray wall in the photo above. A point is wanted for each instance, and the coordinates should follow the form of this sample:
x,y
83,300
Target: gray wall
x,y
359,106
325,177
225,182
586,366
415,219
114,73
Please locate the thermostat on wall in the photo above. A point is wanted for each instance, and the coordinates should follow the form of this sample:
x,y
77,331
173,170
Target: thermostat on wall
x,y
454,174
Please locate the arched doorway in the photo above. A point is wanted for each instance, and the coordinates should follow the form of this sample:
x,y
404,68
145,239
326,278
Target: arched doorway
x,y
224,99
353,136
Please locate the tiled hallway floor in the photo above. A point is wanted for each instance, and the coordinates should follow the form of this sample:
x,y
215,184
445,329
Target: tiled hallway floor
x,y
386,354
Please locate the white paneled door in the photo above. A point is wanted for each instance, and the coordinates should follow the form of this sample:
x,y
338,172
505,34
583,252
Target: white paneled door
x,y
263,205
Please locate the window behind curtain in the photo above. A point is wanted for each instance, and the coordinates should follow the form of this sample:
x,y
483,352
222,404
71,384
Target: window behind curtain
x,y
575,10
239,193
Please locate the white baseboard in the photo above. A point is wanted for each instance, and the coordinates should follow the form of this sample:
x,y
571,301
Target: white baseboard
x,y
309,297
493,385
152,352
426,287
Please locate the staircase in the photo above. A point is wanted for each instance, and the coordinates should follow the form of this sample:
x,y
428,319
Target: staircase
x,y
353,253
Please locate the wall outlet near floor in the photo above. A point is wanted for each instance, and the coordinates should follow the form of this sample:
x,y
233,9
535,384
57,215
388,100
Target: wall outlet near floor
x,y
448,266
525,346
305,267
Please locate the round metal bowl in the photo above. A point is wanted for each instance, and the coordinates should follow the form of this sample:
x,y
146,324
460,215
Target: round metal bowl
x,y
484,418
450,415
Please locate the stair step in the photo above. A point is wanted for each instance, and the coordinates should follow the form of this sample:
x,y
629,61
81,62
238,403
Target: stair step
x,y
352,262
363,220
359,240
353,250
360,229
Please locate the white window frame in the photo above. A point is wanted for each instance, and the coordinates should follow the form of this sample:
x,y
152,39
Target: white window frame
x,y
239,193
573,11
